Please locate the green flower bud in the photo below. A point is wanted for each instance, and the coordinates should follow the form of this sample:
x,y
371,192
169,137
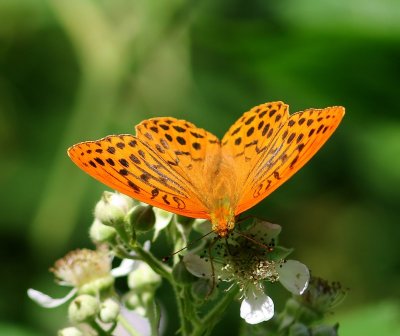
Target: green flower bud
x,y
299,329
83,308
100,233
181,275
97,285
70,331
183,220
134,302
109,311
143,279
112,208
142,217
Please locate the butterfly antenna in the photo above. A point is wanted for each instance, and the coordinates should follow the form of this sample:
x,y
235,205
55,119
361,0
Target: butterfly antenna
x,y
268,248
165,259
241,220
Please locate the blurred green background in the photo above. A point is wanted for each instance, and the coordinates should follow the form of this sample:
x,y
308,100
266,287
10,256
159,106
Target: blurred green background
x,y
74,70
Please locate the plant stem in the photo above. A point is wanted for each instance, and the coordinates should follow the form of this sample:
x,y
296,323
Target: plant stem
x,y
185,328
99,330
212,317
157,266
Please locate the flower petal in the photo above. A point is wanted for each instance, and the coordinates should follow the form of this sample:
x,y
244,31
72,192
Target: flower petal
x,y
47,301
197,266
257,307
265,230
126,266
294,276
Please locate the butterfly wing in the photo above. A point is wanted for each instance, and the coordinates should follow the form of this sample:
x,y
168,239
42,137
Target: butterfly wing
x,y
159,166
247,139
295,140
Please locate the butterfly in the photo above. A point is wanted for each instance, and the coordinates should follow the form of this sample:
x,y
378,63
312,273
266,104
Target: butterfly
x,y
173,165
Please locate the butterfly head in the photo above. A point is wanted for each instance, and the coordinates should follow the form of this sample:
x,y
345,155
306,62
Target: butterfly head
x,y
223,218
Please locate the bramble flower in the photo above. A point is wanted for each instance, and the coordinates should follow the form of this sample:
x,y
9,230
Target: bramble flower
x,y
86,271
246,261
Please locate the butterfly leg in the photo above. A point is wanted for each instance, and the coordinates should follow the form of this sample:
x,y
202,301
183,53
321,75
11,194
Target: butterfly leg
x,y
213,280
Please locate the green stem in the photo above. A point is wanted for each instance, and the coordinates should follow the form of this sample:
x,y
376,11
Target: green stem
x,y
127,326
212,317
154,263
99,330
185,328
190,308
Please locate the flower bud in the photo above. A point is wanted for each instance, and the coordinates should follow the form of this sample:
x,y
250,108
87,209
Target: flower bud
x,y
142,217
134,302
109,311
98,285
183,220
181,275
112,208
83,308
100,233
70,331
143,278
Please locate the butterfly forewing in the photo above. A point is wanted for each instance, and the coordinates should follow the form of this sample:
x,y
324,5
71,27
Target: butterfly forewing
x,y
126,164
301,136
249,136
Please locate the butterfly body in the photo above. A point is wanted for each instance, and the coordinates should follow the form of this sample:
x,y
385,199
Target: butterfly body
x,y
176,166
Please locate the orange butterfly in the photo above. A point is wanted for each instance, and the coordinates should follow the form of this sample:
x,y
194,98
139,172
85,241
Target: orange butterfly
x,y
176,166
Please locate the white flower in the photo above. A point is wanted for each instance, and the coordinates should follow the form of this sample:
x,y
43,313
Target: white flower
x,y
294,276
247,263
84,270
256,306
47,301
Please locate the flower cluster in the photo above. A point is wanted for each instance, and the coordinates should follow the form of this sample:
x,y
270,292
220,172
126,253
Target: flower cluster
x,y
90,275
244,265
250,260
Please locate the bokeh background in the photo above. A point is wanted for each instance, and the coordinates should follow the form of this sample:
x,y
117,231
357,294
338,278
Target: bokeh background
x,y
73,70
